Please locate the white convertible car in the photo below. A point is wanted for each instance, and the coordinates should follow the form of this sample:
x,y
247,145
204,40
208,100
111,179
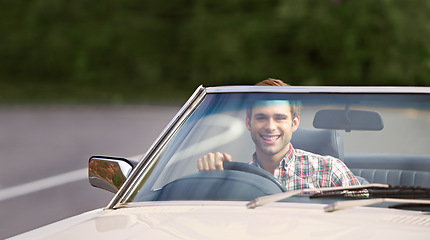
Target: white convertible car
x,y
380,135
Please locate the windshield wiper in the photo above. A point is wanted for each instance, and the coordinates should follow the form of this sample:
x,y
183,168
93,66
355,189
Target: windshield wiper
x,y
340,205
407,192
260,201
376,191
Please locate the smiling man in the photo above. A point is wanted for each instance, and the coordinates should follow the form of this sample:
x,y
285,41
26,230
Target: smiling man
x,y
271,124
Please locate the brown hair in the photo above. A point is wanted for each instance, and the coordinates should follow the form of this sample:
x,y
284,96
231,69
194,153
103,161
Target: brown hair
x,y
272,82
294,105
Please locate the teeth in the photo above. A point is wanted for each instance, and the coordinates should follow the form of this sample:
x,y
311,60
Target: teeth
x,y
270,138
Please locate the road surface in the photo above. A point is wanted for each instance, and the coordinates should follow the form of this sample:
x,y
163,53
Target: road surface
x,y
44,153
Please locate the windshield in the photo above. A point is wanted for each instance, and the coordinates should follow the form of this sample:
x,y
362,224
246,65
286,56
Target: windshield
x,y
338,139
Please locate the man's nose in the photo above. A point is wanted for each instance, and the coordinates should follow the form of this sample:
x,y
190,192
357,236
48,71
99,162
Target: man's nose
x,y
271,124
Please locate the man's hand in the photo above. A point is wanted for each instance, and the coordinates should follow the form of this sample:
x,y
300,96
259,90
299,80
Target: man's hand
x,y
213,161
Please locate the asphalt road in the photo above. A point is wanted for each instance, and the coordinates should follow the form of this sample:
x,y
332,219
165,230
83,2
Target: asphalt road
x,y
44,153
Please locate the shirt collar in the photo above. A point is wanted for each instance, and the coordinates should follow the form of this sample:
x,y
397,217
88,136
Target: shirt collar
x,y
288,158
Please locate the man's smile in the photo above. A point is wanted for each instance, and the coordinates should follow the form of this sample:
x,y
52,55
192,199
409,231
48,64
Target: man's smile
x,y
270,138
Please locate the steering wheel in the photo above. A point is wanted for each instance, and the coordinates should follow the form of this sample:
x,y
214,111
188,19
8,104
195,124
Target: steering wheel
x,y
245,167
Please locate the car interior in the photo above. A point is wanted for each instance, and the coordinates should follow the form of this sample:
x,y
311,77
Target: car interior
x,y
406,170
318,135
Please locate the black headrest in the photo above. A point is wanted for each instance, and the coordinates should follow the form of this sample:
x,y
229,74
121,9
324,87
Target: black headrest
x,y
319,141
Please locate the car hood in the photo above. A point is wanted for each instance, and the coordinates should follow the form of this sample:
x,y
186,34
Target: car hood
x,y
227,220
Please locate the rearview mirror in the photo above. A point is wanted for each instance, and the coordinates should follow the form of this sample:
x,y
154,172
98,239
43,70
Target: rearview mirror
x,y
348,120
109,173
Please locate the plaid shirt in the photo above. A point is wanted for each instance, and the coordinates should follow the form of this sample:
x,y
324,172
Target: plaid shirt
x,y
300,169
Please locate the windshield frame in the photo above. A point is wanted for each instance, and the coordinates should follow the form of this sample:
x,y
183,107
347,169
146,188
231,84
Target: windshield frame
x,y
146,164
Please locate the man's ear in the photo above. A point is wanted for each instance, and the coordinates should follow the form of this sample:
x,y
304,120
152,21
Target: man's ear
x,y
248,123
296,123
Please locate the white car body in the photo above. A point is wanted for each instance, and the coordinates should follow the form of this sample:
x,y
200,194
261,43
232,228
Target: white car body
x,y
220,220
140,211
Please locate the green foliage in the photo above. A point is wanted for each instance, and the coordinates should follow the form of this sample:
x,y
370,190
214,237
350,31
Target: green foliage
x,y
133,50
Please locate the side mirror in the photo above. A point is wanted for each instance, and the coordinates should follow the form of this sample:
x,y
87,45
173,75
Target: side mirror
x,y
109,173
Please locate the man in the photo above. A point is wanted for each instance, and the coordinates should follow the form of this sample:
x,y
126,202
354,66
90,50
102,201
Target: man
x,y
271,124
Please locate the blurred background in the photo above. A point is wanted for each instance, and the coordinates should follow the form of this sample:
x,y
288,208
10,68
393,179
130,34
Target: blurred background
x,y
139,50
80,78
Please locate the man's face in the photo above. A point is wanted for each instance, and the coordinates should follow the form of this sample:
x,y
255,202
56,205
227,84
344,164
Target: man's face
x,y
271,128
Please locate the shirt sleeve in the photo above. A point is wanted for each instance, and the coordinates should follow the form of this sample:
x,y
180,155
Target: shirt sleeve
x,y
342,176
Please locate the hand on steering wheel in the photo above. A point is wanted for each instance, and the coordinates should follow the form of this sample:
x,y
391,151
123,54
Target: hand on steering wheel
x,y
213,161
222,161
